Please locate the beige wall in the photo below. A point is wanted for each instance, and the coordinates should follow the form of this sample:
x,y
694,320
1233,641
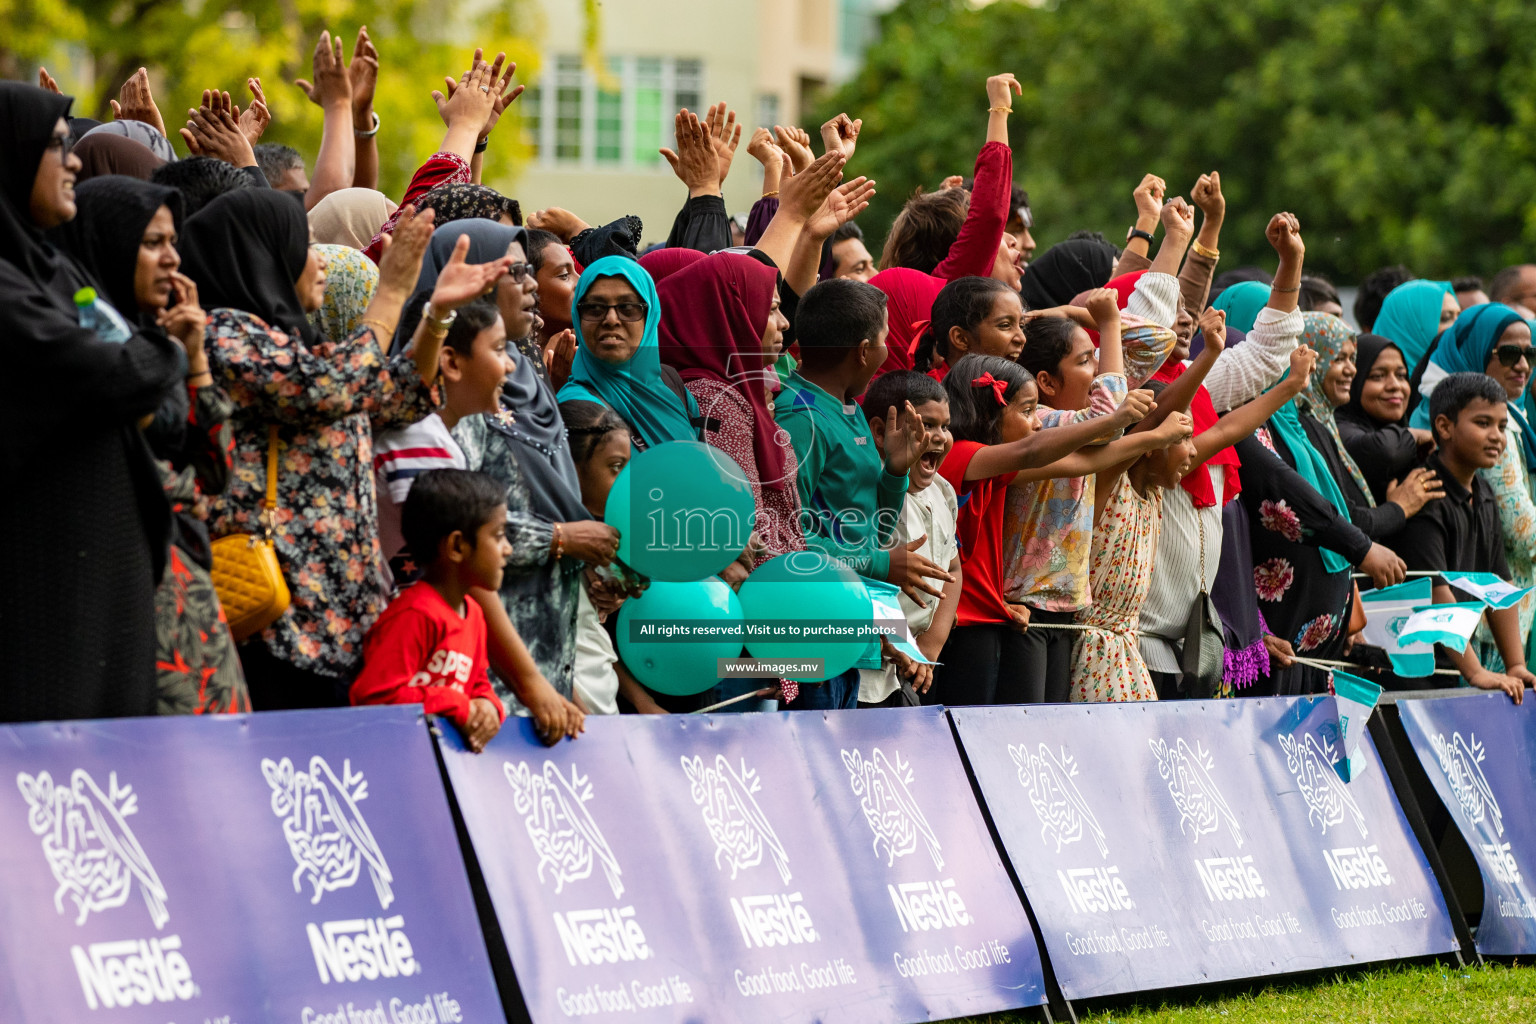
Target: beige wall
x,y
729,37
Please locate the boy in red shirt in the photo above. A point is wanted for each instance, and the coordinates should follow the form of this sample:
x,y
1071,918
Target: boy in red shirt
x,y
428,647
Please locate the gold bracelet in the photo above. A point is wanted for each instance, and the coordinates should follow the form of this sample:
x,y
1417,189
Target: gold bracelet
x,y
380,328
1210,254
770,195
999,110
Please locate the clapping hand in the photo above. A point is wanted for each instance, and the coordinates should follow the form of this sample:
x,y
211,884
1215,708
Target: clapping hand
x,y
332,84
135,102
903,439
804,194
764,150
503,93
468,100
47,81
400,263
842,204
363,72
796,144
694,162
724,136
213,130
255,118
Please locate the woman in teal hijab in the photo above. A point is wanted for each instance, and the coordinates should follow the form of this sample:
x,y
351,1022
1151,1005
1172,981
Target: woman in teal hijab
x,y
616,314
1242,302
1414,314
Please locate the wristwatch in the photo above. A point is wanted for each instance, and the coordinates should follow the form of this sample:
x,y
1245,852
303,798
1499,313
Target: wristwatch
x,y
1136,232
438,324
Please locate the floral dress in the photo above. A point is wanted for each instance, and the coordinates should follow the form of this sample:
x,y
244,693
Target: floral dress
x,y
1301,601
197,670
1106,658
1511,483
326,400
542,594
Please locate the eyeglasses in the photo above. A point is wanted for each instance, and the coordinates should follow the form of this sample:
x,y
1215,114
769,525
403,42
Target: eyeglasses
x,y
63,143
519,272
1509,355
597,312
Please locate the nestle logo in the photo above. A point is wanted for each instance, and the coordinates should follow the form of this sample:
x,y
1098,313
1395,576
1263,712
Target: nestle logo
x,y
368,948
1230,878
1094,890
129,971
1501,862
775,920
603,936
1357,867
924,906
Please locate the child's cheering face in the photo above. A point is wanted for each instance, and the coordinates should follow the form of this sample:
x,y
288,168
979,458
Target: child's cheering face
x,y
474,381
1018,419
935,417
1074,374
1002,332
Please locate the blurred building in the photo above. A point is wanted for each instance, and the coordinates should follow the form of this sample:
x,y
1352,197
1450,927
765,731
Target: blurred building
x,y
594,139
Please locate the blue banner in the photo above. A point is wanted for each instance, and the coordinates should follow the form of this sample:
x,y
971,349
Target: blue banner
x,y
763,867
297,867
1479,752
1198,841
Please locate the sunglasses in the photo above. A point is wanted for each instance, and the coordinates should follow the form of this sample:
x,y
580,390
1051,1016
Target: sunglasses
x,y
597,312
1509,355
63,143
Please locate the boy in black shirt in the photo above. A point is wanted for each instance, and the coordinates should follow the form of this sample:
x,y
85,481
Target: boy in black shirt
x,y
1460,532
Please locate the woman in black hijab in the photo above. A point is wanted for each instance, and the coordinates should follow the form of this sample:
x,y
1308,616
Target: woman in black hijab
x,y
125,238
1066,270
83,535
249,253
1373,423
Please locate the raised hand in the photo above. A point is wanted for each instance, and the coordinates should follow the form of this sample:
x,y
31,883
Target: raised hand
x,y
400,264
461,283
842,134
255,118
724,136
1178,219
363,73
503,93
842,204
911,571
1001,89
1177,427
559,355
796,144
1149,198
331,84
1303,362
803,194
1137,405
1213,327
135,102
1103,304
764,150
47,81
212,130
468,101
904,438
694,162
953,181
563,224
1207,195
1284,234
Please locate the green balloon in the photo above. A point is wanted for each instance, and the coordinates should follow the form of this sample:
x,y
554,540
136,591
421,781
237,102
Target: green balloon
x,y
677,665
807,589
683,510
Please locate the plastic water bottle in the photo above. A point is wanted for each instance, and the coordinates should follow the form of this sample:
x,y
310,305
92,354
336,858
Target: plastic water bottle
x,y
100,317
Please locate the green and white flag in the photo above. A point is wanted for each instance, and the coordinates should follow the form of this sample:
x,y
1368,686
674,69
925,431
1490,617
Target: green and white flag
x,y
1356,699
1386,613
1448,624
1487,588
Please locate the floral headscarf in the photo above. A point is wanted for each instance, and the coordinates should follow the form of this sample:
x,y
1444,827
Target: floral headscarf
x,y
350,281
1327,335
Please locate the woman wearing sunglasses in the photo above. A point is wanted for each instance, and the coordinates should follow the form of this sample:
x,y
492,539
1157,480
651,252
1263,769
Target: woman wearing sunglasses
x,y
1495,340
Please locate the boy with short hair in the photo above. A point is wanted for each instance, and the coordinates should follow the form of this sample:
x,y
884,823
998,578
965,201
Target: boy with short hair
x,y
851,488
473,364
927,527
428,647
1460,532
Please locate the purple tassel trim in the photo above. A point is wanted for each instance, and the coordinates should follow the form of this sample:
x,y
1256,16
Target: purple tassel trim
x,y
1242,668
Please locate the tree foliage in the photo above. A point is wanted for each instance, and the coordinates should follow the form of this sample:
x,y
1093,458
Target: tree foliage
x,y
92,46
1395,132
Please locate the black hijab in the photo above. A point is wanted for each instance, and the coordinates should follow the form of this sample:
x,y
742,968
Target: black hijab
x,y
1066,270
246,250
28,116
104,237
1368,348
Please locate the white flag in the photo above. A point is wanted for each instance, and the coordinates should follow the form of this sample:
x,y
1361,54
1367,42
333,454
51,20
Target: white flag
x,y
1387,611
1448,624
1487,588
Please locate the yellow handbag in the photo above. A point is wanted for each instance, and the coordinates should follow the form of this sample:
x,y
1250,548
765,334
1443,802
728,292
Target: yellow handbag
x,y
246,572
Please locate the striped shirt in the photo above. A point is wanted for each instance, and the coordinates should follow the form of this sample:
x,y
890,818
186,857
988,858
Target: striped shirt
x,y
400,455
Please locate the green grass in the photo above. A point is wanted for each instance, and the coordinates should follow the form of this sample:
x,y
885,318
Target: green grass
x,y
1493,994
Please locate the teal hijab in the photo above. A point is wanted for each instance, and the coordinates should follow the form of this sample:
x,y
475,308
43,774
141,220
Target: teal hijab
x,y
1242,303
1467,347
634,388
1410,318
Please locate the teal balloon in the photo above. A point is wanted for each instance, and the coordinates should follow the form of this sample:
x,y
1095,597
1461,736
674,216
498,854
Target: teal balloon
x,y
806,588
675,665
683,510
